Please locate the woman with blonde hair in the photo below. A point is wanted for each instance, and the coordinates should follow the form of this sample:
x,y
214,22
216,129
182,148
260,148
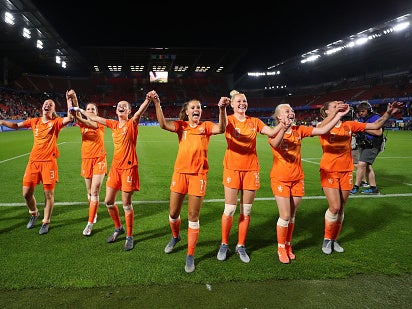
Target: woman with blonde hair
x,y
241,171
42,165
124,170
287,176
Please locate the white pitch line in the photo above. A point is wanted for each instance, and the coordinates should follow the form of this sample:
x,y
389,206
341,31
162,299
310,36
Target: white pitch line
x,y
308,161
22,155
320,197
16,157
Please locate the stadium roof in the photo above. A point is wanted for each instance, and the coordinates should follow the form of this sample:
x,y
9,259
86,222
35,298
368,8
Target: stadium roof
x,y
87,36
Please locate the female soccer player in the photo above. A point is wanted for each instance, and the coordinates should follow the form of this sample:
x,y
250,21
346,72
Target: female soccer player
x,y
190,169
241,171
42,165
123,173
94,163
336,168
287,176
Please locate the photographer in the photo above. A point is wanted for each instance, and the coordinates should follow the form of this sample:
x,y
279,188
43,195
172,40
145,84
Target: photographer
x,y
369,143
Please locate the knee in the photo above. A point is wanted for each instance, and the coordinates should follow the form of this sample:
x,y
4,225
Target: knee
x,y
49,195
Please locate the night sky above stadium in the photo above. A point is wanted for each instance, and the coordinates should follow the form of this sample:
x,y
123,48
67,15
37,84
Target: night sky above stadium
x,y
272,31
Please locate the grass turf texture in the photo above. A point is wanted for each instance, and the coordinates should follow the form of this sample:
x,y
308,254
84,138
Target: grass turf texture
x,y
65,268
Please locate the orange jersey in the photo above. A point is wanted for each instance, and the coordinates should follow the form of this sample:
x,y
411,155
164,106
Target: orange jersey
x,y
337,148
45,138
92,141
241,152
193,146
287,165
124,142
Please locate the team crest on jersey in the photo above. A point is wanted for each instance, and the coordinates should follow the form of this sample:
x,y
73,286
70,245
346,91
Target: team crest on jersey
x,y
347,130
201,130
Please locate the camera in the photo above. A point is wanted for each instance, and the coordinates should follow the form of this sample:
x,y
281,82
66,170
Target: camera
x,y
350,115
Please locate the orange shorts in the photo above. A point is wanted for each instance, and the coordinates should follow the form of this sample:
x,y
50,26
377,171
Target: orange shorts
x,y
126,180
45,171
94,166
192,184
287,188
241,180
337,180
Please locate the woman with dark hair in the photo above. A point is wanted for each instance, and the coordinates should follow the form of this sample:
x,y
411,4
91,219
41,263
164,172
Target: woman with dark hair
x,y
94,163
336,169
190,169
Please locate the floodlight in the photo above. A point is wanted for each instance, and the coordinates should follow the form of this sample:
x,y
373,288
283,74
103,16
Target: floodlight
x,y
9,18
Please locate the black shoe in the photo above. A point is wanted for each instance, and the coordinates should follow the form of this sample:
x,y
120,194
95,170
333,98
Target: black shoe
x,y
364,184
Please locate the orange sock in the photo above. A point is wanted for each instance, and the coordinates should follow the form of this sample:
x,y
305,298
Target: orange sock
x,y
281,234
337,230
192,237
227,222
93,210
330,229
175,227
291,227
114,214
243,228
129,217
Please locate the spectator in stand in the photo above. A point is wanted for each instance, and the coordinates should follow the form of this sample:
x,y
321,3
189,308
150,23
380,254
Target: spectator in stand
x,y
94,163
123,173
241,171
42,165
336,168
191,168
287,176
